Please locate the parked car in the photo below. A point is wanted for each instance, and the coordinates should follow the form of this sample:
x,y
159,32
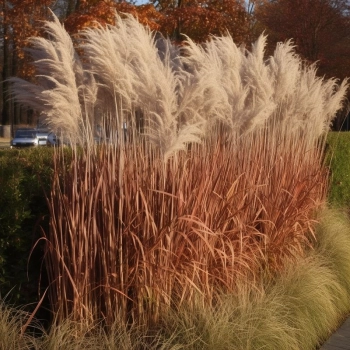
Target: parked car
x,y
47,138
25,138
52,139
42,136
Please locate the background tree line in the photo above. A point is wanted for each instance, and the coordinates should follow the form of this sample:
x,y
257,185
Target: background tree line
x,y
320,30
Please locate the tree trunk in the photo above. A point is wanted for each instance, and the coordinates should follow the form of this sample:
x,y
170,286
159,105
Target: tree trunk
x,y
6,117
73,6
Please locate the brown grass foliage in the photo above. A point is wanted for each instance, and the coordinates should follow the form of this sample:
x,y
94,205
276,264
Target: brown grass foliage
x,y
132,235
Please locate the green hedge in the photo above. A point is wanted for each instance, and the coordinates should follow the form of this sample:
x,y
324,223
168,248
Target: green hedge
x,y
338,159
25,175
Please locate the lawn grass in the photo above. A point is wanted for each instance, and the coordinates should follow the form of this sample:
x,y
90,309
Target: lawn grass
x,y
338,159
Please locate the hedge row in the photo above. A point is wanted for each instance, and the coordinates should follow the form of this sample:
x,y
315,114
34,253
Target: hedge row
x,y
25,177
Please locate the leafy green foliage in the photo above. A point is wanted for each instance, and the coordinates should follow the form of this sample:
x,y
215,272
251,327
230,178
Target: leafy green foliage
x,y
24,176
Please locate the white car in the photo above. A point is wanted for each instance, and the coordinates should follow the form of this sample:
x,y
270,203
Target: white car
x,y
42,136
47,138
25,138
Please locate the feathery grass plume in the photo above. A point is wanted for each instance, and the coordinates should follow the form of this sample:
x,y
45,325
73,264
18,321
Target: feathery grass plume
x,y
126,63
202,94
249,90
108,51
231,79
303,99
335,95
158,89
239,82
284,66
63,93
311,103
256,76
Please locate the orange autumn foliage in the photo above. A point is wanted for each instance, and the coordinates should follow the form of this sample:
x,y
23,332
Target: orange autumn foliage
x,y
93,13
198,20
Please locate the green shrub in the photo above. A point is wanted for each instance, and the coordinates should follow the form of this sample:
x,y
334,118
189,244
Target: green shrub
x,y
24,176
338,159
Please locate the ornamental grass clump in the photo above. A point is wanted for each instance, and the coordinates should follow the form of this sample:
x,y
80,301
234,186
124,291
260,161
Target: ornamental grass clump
x,y
215,177
14,330
297,308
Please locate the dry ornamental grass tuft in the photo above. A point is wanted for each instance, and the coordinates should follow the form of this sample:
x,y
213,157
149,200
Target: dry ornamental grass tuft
x,y
216,177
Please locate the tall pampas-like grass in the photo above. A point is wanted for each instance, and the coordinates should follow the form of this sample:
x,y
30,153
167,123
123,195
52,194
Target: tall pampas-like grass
x,y
297,309
218,178
131,72
63,92
130,75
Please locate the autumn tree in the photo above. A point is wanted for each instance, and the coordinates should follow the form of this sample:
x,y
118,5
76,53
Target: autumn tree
x,y
255,28
200,19
20,19
91,13
64,8
319,29
173,18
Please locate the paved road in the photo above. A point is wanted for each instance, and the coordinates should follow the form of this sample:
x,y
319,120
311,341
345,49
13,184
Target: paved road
x,y
340,340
